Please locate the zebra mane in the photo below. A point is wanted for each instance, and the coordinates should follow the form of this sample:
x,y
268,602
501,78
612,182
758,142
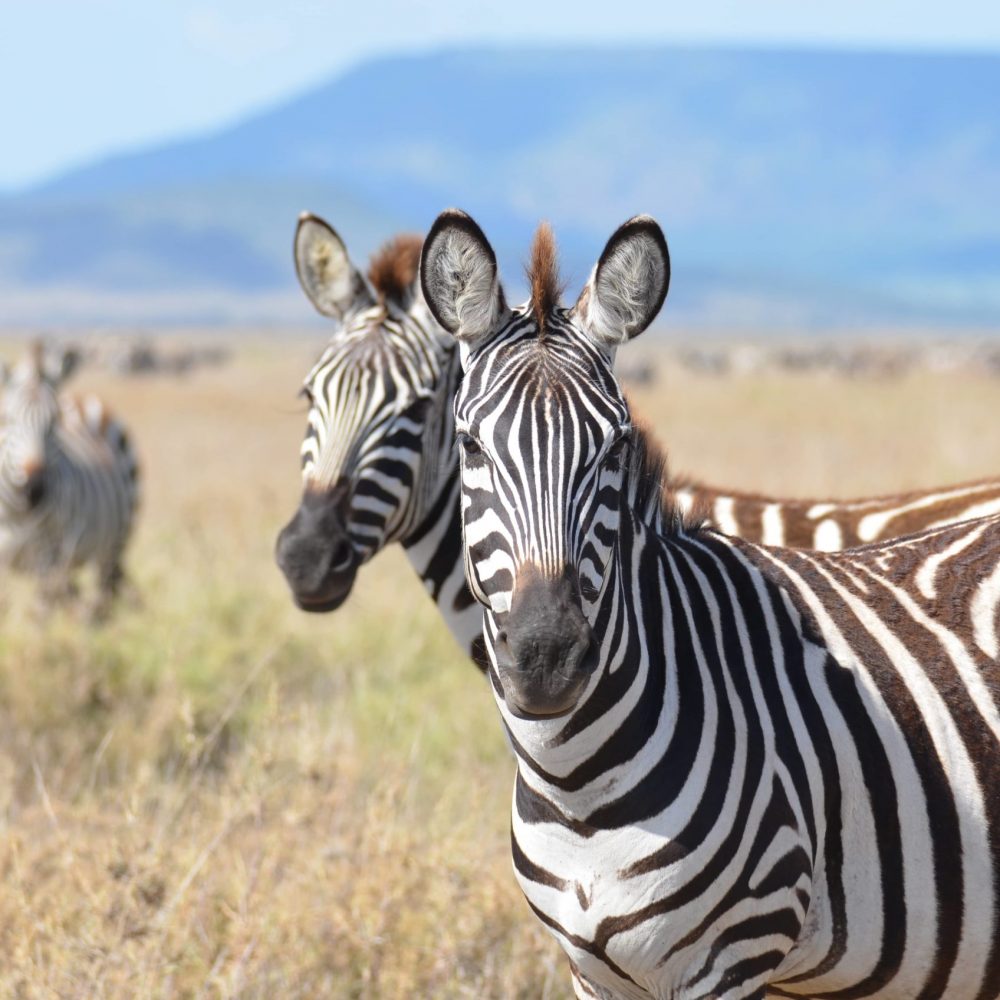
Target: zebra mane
x,y
543,276
394,267
653,491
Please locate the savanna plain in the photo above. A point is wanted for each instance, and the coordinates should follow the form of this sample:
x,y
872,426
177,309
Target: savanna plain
x,y
216,795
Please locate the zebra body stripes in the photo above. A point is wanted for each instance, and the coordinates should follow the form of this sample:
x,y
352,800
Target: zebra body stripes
x,y
743,771
830,526
380,420
68,479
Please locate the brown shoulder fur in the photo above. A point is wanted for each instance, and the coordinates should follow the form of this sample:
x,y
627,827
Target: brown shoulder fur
x,y
543,275
393,268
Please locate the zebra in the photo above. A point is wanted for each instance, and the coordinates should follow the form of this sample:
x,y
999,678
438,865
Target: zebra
x,y
742,771
379,462
69,479
378,457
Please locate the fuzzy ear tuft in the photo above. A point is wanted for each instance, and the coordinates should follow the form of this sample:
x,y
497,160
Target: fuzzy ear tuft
x,y
58,363
329,279
69,361
628,285
460,278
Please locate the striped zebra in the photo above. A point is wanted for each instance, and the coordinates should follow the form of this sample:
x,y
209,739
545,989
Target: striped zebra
x,y
742,771
378,458
379,463
68,479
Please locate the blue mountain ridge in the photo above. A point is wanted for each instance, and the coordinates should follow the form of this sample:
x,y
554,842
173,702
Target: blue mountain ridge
x,y
794,186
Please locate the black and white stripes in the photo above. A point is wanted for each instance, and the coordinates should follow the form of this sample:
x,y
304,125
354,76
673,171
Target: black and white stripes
x,y
69,485
378,458
742,771
380,464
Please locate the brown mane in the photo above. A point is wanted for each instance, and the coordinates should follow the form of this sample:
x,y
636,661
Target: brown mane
x,y
393,268
654,487
543,275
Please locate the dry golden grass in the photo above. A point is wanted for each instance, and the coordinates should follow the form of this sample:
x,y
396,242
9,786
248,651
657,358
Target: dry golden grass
x,y
215,795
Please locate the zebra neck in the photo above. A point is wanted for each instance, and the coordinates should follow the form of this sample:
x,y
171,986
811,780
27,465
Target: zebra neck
x,y
672,697
631,672
434,545
435,553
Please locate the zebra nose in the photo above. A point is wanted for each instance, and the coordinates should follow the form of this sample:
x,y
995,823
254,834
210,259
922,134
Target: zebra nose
x,y
34,487
341,552
315,554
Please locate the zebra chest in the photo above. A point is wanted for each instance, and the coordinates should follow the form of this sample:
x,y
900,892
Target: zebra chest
x,y
639,919
600,912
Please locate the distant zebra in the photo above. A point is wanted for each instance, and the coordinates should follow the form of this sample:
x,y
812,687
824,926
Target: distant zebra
x,y
742,771
68,478
379,462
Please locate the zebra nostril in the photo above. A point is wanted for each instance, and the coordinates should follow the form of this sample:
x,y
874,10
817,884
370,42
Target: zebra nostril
x,y
341,552
36,490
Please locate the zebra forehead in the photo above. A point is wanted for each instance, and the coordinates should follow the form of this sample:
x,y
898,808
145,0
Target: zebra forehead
x,y
372,345
529,372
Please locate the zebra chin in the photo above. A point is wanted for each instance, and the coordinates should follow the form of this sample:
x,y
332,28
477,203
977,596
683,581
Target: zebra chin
x,y
541,696
329,600
545,650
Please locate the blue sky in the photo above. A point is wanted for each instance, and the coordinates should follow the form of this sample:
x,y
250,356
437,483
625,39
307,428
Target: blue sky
x,y
80,78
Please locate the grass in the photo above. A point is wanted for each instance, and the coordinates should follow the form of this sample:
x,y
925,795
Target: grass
x,y
214,795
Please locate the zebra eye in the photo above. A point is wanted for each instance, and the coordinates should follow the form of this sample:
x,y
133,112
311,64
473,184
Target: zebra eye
x,y
616,453
469,444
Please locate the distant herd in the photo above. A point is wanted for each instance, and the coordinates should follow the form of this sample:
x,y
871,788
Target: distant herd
x,y
757,738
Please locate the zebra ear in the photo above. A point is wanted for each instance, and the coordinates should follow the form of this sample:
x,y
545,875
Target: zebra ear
x,y
329,279
627,287
460,278
59,363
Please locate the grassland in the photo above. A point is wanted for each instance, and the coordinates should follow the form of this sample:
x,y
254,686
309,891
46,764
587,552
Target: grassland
x,y
214,795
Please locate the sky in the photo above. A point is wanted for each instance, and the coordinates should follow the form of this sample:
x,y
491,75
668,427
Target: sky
x,y
80,79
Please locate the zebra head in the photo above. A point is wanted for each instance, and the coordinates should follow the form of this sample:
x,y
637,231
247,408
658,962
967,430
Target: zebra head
x,y
379,439
544,432
29,418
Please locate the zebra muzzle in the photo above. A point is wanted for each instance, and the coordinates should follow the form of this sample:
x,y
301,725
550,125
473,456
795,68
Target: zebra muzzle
x,y
34,487
315,554
545,651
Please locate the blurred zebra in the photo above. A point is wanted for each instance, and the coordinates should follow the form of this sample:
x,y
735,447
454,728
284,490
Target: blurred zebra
x,y
379,463
742,771
69,483
378,458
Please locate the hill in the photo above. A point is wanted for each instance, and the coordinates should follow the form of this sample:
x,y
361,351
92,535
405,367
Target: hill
x,y
795,186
